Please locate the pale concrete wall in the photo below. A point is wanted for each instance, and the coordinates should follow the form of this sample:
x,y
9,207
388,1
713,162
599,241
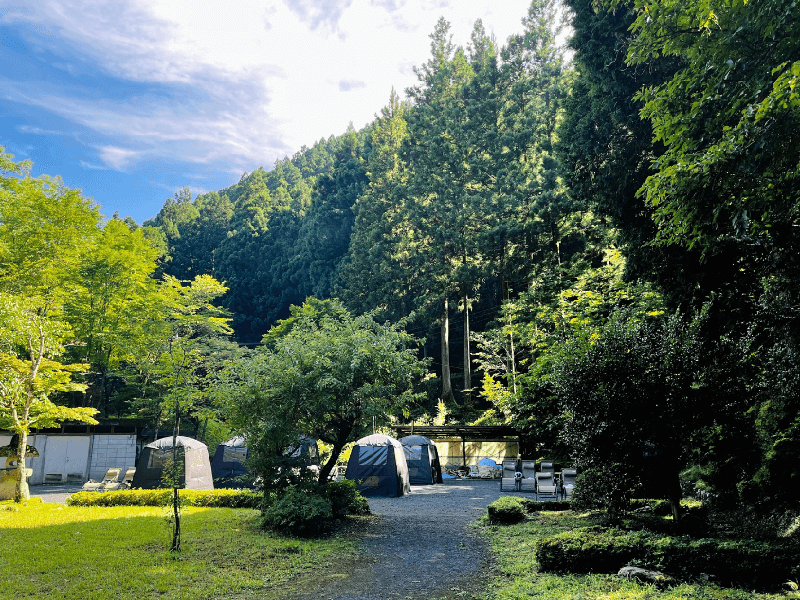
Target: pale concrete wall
x,y
112,451
78,456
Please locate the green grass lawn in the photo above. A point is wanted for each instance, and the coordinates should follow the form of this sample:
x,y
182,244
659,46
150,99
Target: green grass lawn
x,y
53,551
518,576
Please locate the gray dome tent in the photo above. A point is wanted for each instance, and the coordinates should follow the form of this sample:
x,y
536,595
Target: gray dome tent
x,y
378,466
229,459
422,459
192,455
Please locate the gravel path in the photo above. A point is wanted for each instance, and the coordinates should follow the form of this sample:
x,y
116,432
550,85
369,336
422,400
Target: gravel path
x,y
54,493
421,546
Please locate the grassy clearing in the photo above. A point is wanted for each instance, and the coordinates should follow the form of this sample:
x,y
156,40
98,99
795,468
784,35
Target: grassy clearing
x,y
518,575
50,551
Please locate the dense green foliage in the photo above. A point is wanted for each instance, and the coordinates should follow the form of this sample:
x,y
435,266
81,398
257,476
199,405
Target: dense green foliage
x,y
322,373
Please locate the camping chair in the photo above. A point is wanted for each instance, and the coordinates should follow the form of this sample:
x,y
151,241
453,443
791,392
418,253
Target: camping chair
x,y
546,486
508,482
111,476
546,466
528,481
568,483
125,484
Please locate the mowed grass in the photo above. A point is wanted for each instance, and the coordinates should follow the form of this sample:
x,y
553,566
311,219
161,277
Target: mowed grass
x,y
59,552
518,576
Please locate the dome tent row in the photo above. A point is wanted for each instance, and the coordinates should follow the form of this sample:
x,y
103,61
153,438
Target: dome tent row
x,y
378,466
230,458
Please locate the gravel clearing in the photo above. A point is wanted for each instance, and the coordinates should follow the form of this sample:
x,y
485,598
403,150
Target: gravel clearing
x,y
420,547
54,493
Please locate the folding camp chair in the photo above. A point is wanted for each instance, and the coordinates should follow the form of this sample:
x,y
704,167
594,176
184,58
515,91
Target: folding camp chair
x,y
111,476
125,484
546,488
528,481
508,482
568,483
546,466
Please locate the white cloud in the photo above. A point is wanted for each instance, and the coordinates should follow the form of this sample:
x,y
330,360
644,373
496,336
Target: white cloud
x,y
117,158
92,166
237,84
38,130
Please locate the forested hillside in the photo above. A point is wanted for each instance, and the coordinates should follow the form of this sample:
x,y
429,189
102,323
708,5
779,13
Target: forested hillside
x,y
597,242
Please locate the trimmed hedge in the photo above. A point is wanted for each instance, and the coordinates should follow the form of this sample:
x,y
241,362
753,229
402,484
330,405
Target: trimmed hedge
x,y
222,498
732,562
513,509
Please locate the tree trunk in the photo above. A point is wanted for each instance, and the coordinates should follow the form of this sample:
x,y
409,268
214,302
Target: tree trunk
x,y
176,511
338,446
467,359
22,492
674,494
447,390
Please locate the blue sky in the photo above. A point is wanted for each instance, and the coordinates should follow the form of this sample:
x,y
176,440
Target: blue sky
x,y
131,100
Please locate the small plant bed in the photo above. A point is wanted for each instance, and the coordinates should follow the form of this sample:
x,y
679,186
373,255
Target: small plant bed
x,y
57,552
563,554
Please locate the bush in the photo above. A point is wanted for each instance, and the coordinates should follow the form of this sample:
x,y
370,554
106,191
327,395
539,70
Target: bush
x,y
604,488
513,509
300,512
732,562
162,497
506,510
345,499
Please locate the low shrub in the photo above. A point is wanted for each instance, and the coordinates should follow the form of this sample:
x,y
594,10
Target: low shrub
x,y
223,498
731,562
513,509
507,510
345,499
299,511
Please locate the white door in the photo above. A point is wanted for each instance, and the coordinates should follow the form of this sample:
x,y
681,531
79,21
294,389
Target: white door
x,y
55,459
77,458
66,458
